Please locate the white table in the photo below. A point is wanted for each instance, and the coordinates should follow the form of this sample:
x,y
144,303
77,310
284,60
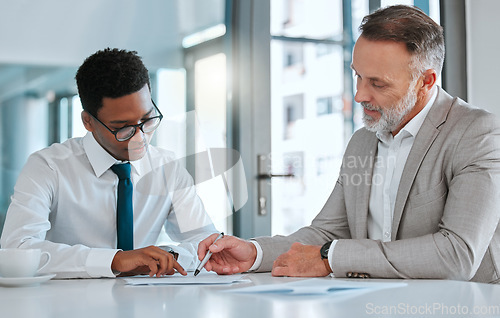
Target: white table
x,y
111,298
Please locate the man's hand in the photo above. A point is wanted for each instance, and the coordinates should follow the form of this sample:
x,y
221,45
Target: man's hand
x,y
150,260
301,261
230,254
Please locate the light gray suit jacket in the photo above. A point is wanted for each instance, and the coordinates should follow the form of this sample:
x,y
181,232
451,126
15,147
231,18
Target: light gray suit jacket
x,y
447,209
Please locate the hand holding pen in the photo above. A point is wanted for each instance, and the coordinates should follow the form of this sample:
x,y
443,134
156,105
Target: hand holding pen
x,y
231,254
207,256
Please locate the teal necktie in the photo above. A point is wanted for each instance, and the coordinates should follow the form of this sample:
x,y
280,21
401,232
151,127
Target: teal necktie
x,y
124,213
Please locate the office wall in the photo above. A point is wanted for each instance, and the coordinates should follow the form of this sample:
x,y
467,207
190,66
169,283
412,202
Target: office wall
x,y
483,59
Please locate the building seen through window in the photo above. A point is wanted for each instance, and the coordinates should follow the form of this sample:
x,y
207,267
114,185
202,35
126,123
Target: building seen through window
x,y
312,90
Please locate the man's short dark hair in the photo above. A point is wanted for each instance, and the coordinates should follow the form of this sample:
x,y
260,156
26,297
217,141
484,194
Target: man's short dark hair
x,y
409,25
109,73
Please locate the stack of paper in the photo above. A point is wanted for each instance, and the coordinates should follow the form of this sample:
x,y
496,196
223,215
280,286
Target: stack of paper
x,y
203,278
319,286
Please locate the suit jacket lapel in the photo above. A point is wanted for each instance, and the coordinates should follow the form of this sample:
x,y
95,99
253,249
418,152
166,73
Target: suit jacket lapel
x,y
365,173
423,141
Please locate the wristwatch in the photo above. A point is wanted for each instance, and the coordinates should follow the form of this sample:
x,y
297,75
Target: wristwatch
x,y
171,251
174,253
325,249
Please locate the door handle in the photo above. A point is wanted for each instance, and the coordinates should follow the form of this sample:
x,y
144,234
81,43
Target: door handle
x,y
263,189
271,175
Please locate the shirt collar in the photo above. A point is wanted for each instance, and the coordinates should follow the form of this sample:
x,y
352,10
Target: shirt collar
x,y
413,126
101,160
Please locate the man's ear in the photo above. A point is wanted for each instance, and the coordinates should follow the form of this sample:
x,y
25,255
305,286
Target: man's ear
x,y
87,121
429,80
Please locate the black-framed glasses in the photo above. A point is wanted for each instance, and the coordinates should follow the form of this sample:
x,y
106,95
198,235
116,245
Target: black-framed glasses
x,y
127,132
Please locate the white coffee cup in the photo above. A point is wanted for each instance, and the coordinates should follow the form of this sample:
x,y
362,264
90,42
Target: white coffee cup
x,y
20,262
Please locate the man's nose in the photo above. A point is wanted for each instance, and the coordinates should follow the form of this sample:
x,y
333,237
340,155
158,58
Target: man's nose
x,y
362,94
138,136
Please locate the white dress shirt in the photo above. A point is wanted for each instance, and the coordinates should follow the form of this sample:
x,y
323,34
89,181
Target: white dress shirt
x,y
64,202
388,168
392,153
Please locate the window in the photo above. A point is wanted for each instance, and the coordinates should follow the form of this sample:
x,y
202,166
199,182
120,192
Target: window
x,y
307,85
312,108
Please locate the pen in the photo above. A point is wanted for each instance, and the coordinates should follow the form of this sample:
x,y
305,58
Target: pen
x,y
207,257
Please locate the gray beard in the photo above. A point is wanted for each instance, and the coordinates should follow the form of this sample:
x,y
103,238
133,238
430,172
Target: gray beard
x,y
392,117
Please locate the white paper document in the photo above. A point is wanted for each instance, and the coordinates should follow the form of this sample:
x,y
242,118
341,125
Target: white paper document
x,y
203,278
318,286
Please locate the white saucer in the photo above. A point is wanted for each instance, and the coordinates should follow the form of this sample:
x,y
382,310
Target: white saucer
x,y
25,281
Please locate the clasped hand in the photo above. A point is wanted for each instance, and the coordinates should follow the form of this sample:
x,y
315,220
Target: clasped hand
x,y
150,260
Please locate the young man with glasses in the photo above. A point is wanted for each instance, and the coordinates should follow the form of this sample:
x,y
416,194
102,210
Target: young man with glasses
x,y
69,197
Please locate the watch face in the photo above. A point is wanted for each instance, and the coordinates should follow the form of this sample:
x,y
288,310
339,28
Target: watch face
x,y
324,250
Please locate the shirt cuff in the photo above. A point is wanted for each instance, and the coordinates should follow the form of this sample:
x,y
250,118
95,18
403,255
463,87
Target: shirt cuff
x,y
330,256
99,261
258,259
